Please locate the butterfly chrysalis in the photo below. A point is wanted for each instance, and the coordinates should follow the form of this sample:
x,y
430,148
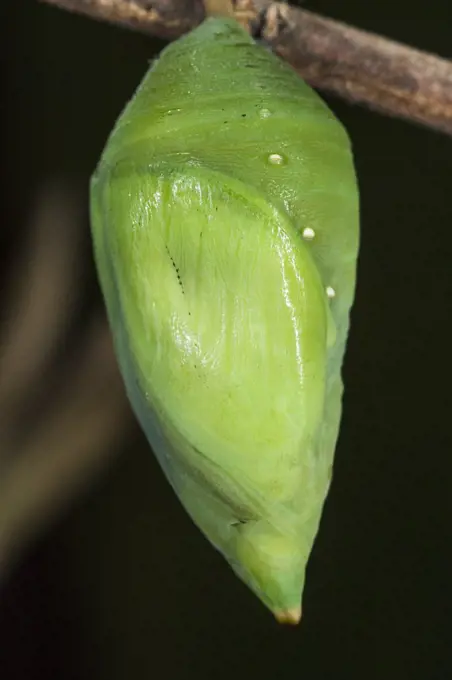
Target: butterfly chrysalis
x,y
225,227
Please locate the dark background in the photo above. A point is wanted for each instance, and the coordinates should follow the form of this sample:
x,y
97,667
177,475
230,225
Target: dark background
x,y
123,586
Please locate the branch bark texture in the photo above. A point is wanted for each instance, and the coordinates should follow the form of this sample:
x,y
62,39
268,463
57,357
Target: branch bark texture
x,y
359,66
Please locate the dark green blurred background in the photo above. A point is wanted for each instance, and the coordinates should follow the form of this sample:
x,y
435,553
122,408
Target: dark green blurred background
x,y
124,587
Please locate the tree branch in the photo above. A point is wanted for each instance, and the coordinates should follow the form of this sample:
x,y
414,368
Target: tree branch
x,y
55,435
62,454
362,67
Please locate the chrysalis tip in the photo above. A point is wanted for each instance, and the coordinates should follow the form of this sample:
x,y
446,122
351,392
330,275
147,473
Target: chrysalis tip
x,y
289,616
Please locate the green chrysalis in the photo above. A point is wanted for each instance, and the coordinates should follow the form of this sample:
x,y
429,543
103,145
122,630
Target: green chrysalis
x,y
225,227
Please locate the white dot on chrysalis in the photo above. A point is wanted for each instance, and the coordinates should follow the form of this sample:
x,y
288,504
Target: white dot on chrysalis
x,y
331,293
276,159
308,233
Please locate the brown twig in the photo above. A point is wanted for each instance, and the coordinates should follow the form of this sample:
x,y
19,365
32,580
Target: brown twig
x,y
41,299
61,455
46,462
362,67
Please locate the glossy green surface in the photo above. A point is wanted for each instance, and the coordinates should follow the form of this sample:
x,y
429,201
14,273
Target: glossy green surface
x,y
224,209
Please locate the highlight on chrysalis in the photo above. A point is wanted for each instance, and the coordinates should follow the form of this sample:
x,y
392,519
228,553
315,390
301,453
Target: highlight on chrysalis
x,y
225,228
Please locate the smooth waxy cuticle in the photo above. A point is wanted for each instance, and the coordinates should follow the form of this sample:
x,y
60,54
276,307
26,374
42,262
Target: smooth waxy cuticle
x,y
225,228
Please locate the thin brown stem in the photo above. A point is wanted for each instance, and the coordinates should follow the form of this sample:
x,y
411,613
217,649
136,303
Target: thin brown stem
x,y
84,417
61,456
41,300
362,67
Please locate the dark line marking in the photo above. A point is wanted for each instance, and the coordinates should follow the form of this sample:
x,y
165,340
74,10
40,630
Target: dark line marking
x,y
176,269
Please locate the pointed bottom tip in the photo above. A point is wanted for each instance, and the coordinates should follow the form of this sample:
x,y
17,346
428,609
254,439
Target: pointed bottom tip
x,y
289,616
